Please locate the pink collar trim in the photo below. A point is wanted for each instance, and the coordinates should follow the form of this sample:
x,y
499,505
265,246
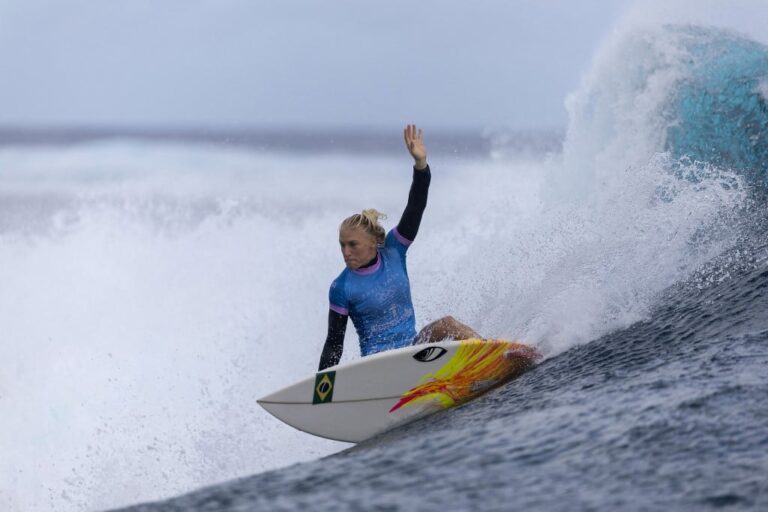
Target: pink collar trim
x,y
369,270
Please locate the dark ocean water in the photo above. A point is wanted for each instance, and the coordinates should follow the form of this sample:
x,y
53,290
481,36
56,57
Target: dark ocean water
x,y
670,413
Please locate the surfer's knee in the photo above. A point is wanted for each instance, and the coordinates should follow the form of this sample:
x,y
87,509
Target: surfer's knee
x,y
444,328
446,320
458,329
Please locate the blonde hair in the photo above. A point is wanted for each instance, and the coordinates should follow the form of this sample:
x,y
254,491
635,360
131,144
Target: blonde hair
x,y
368,221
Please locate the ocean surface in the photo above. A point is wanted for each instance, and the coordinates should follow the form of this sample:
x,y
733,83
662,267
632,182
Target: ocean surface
x,y
155,283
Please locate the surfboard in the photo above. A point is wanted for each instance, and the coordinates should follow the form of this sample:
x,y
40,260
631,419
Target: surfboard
x,y
357,400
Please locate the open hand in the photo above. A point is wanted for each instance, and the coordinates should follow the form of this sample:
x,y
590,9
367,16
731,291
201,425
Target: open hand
x,y
414,141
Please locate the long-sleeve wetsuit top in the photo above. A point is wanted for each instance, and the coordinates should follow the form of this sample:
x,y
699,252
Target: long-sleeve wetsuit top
x,y
378,296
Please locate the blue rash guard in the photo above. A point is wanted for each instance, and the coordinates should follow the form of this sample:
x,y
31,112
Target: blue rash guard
x,y
378,298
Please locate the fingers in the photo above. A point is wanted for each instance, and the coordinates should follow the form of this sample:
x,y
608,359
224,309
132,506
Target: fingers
x,y
411,134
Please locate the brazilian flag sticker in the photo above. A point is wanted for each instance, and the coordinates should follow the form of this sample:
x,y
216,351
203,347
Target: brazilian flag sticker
x,y
324,388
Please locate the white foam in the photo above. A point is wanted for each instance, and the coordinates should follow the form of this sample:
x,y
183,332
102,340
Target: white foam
x,y
144,312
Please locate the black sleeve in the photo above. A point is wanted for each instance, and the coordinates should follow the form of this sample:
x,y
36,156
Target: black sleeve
x,y
409,223
334,343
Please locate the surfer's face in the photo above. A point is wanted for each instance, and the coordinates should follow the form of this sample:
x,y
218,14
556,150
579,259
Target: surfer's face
x,y
357,247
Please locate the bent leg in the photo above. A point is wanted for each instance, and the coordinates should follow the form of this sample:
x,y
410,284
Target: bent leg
x,y
443,329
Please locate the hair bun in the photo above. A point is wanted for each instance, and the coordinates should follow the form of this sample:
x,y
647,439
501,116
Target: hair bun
x,y
373,215
368,221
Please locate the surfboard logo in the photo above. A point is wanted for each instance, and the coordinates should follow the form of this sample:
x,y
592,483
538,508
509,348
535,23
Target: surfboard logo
x,y
429,354
324,388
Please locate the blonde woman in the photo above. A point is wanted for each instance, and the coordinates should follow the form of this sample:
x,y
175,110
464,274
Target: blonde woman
x,y
374,289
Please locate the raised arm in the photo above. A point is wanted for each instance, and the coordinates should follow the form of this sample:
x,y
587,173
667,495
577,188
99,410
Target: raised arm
x,y
409,223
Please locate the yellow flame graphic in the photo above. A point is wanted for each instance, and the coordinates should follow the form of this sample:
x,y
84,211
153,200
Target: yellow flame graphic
x,y
484,362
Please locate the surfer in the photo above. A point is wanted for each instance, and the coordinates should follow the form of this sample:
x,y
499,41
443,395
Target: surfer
x,y
374,289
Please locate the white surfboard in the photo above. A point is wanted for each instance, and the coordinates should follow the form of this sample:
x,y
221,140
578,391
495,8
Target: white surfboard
x,y
357,400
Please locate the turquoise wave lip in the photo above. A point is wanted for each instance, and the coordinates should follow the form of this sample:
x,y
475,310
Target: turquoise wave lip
x,y
719,114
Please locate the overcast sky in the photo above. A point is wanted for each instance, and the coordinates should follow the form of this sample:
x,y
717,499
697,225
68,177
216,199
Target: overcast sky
x,y
283,63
